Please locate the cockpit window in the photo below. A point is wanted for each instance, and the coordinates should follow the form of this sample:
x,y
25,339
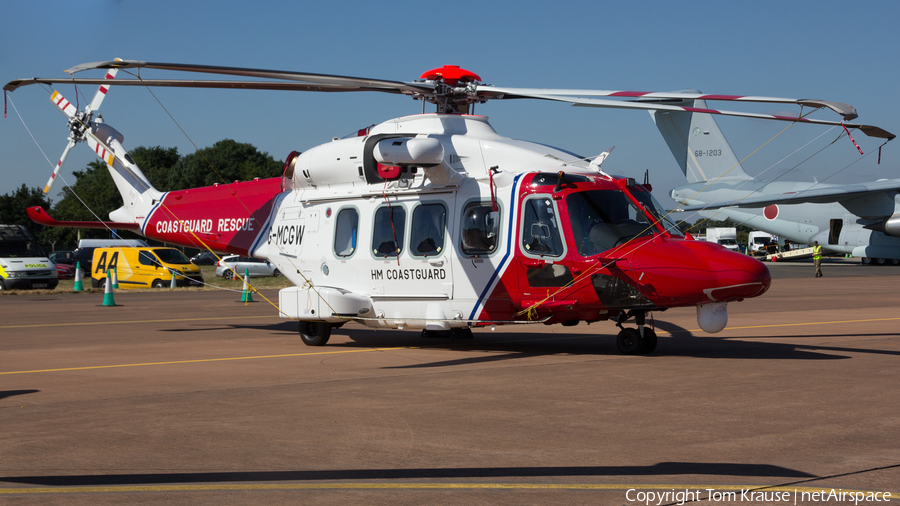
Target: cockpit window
x,y
604,219
657,211
540,233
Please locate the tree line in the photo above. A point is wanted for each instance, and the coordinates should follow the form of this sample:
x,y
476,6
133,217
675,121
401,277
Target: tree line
x,y
94,191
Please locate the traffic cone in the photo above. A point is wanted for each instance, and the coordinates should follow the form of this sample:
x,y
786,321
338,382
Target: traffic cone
x,y
173,284
247,296
79,283
115,278
108,299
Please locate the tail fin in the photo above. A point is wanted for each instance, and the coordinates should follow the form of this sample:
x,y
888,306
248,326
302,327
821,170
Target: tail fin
x,y
698,145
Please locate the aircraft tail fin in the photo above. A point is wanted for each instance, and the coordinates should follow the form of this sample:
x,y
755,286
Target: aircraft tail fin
x,y
698,144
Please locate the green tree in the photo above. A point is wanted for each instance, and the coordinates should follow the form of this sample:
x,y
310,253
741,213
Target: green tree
x,y
224,162
156,163
14,204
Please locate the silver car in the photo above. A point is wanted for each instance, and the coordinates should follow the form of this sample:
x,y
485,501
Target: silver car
x,y
255,267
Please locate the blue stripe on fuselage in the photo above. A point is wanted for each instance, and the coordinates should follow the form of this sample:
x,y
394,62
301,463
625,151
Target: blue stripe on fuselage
x,y
509,243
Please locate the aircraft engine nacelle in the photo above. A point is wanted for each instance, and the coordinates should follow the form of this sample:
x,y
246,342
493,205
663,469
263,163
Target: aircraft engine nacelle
x,y
332,164
420,152
890,226
713,317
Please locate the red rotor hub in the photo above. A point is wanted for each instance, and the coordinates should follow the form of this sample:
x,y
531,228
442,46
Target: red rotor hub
x,y
451,74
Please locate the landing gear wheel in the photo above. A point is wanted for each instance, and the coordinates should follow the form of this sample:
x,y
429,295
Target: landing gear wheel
x,y
629,342
463,333
157,283
315,333
650,341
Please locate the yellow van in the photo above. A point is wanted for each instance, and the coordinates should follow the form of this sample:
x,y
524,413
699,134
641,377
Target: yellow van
x,y
144,267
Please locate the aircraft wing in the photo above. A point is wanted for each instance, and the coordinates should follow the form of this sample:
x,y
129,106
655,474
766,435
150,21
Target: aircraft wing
x,y
813,195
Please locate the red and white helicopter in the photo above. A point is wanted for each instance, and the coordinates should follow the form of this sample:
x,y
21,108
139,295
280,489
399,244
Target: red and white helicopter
x,y
435,221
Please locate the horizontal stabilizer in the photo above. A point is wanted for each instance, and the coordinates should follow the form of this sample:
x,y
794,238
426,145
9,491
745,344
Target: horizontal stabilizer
x,y
38,215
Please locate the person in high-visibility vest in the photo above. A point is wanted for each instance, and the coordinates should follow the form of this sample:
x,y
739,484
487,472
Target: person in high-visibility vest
x,y
817,258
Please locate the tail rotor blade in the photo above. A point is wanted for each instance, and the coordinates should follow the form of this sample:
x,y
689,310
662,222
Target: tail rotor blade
x,y
63,105
101,92
59,165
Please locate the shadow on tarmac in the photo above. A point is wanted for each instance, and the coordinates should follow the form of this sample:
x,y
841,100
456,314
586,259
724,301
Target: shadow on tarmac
x,y
10,393
679,342
660,469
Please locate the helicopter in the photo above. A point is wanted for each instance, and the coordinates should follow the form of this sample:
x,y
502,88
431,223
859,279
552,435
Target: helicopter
x,y
435,221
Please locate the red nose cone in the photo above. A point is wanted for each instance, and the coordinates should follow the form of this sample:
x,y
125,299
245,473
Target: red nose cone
x,y
683,272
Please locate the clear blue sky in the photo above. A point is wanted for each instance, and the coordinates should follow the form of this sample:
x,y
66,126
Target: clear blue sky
x,y
833,50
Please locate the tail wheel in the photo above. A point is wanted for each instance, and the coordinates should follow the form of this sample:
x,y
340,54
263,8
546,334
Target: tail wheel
x,y
629,342
315,333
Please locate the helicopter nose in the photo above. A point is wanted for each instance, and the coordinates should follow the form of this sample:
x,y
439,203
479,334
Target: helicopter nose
x,y
737,276
688,272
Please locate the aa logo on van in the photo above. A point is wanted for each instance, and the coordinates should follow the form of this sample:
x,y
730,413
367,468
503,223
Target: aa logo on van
x,y
102,266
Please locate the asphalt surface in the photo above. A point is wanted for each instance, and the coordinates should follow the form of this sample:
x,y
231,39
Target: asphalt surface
x,y
195,398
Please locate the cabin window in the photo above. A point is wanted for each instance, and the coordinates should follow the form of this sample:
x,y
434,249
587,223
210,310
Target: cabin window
x,y
387,238
345,232
540,232
427,235
480,229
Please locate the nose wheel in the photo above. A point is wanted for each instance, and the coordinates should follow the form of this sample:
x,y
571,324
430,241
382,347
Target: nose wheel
x,y
639,341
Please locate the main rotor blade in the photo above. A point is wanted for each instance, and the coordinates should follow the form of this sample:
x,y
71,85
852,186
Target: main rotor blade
x,y
871,131
347,81
846,110
183,83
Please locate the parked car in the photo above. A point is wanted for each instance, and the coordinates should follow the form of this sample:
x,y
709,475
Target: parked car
x,y
65,271
63,257
204,258
255,267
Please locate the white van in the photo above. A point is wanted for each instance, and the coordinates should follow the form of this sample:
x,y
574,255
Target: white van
x,y
23,264
110,243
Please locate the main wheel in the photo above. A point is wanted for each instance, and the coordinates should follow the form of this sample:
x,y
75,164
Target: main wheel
x,y
315,333
461,333
650,341
629,341
157,283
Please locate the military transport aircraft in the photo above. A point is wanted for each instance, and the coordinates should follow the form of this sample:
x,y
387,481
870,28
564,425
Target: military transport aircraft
x,y
862,219
435,221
